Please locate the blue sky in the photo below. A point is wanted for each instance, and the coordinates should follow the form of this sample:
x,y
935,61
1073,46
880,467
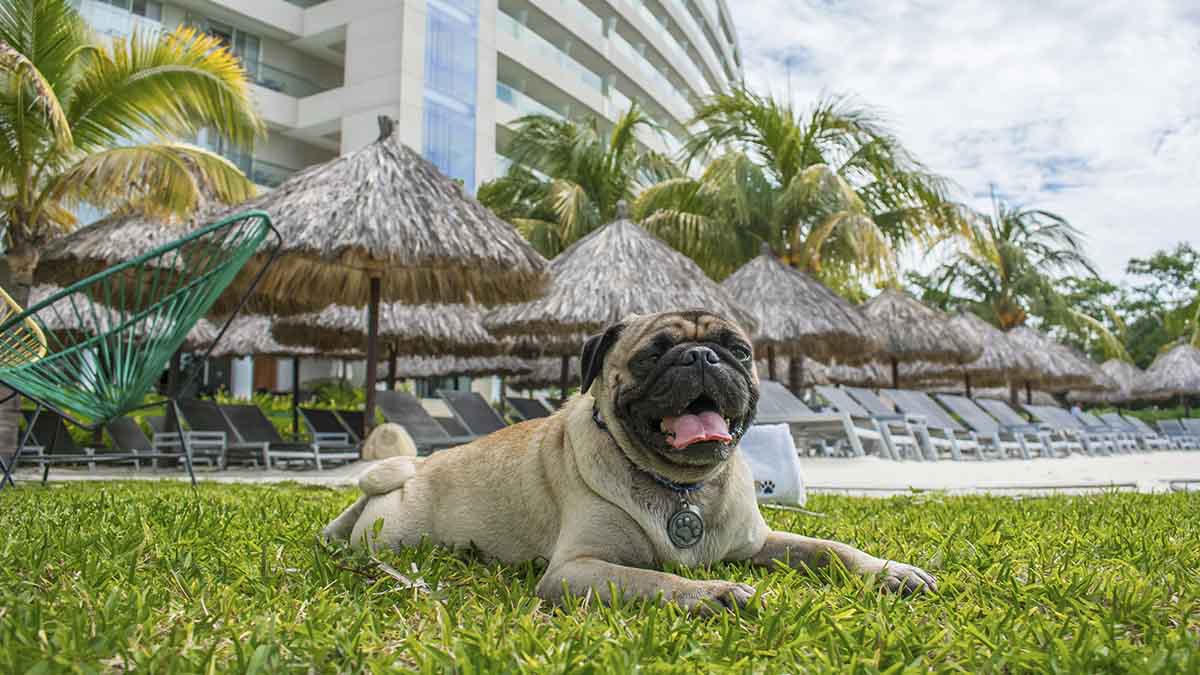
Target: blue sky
x,y
1090,109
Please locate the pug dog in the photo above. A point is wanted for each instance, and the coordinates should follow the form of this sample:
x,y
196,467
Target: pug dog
x,y
640,469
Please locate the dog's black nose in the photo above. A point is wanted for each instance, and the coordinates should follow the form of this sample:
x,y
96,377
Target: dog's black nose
x,y
699,356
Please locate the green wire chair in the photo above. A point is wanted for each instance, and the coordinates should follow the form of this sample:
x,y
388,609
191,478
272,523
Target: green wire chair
x,y
138,314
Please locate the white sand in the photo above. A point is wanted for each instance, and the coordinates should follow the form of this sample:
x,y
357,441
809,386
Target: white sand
x,y
1145,472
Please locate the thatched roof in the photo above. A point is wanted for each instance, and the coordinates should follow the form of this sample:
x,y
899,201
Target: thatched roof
x,y
813,373
615,271
251,336
1176,373
869,374
797,314
910,331
1003,394
71,321
1129,380
104,243
1000,361
536,346
545,373
451,366
415,330
385,211
1056,367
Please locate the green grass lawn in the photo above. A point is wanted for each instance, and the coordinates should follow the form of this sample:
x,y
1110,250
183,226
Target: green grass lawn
x,y
153,576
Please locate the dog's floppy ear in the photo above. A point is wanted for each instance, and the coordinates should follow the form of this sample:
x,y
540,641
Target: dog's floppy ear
x,y
591,361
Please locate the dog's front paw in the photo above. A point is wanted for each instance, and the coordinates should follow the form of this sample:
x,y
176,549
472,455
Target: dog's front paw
x,y
899,577
710,597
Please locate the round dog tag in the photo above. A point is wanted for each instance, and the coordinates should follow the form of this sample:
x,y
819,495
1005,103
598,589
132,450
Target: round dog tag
x,y
685,526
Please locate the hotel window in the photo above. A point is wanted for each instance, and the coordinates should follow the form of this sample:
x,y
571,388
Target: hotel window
x,y
451,75
146,8
246,46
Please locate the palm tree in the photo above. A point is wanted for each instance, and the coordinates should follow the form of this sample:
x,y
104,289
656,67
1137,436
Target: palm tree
x,y
1005,266
567,177
91,121
830,189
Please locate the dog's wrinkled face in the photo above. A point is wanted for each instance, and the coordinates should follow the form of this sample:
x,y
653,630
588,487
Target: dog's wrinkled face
x,y
681,387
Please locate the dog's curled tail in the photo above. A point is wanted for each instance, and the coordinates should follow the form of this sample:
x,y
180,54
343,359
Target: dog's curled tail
x,y
390,474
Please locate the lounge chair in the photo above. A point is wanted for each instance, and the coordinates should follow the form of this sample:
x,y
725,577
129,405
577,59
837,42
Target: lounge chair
x,y
1004,438
402,408
1053,439
252,426
1094,442
206,425
937,428
891,430
1175,431
475,413
1139,431
529,408
355,422
327,429
129,438
1192,426
777,405
1124,440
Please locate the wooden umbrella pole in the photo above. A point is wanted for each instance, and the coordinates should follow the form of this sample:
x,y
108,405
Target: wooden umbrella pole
x,y
372,354
895,373
1028,393
295,395
967,381
564,375
503,397
1013,396
771,364
796,374
391,377
172,385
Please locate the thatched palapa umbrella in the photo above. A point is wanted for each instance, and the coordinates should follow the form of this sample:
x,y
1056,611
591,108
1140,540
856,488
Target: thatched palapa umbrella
x,y
1175,373
545,373
798,316
382,224
1129,380
615,271
1000,362
910,331
454,366
1056,367
406,330
870,374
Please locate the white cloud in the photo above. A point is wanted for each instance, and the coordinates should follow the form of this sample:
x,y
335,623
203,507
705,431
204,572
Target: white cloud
x,y
1088,108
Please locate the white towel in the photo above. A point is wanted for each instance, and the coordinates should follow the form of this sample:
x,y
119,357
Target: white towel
x,y
771,454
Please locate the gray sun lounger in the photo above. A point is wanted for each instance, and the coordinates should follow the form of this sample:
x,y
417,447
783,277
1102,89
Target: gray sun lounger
x,y
252,426
49,441
1053,439
404,409
328,430
207,427
1192,427
355,421
529,408
1143,435
1175,430
936,427
473,412
892,431
1124,441
777,405
1093,442
129,438
1004,438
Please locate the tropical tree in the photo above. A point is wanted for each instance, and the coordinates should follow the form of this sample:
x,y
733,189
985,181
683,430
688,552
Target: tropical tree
x,y
829,188
91,121
1006,264
568,176
85,120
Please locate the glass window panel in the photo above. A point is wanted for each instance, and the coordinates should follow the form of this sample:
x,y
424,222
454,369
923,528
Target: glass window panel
x,y
449,140
450,55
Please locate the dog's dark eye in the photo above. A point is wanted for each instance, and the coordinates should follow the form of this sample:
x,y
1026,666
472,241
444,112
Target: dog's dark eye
x,y
740,353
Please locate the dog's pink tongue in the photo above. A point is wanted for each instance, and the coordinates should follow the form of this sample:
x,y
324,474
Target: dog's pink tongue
x,y
689,429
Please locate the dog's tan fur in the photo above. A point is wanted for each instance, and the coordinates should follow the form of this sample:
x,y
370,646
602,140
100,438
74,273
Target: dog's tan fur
x,y
564,490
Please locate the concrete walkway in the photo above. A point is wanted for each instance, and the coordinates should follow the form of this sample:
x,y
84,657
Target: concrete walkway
x,y
1147,472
